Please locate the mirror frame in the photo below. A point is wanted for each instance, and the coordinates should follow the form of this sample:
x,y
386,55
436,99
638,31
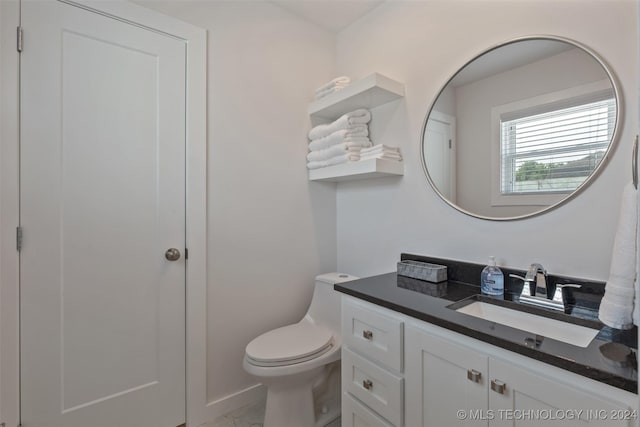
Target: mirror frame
x,y
590,178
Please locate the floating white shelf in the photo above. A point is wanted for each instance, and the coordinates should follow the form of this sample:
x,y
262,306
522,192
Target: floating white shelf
x,y
369,92
372,168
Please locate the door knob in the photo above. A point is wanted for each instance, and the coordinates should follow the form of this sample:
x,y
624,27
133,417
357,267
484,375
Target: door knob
x,y
172,254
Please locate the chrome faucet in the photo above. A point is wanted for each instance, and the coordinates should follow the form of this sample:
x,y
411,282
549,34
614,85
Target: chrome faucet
x,y
536,292
538,275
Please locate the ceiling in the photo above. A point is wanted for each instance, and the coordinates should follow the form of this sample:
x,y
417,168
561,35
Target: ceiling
x,y
334,15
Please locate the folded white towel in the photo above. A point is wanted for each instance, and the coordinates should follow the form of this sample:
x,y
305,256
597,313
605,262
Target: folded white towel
x,y
327,92
361,116
356,138
334,150
617,305
381,148
343,158
338,81
338,137
380,156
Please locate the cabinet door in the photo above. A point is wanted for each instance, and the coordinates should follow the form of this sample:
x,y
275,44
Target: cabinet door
x,y
446,383
530,399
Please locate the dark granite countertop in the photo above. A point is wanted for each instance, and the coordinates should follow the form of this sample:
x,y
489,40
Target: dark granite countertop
x,y
429,302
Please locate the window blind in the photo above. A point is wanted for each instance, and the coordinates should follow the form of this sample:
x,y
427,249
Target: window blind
x,y
555,150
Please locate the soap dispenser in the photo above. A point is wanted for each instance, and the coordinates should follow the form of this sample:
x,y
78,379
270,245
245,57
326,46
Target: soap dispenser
x,y
492,279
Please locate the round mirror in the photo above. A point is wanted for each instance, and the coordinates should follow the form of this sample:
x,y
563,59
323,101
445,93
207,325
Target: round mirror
x,y
521,128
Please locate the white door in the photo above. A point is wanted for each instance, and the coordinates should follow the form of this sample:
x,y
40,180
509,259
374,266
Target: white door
x,y
440,153
102,199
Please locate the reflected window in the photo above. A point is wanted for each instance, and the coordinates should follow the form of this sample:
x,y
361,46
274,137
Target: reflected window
x,y
553,148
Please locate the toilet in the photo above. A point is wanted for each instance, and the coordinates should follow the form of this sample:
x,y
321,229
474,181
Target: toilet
x,y
293,360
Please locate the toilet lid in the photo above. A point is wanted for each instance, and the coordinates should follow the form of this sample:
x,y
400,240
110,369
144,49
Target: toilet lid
x,y
290,343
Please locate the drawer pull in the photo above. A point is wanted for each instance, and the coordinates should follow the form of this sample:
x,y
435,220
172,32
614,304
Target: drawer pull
x,y
498,386
474,375
367,384
368,335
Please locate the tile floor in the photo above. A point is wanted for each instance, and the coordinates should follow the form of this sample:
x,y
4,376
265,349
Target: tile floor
x,y
248,416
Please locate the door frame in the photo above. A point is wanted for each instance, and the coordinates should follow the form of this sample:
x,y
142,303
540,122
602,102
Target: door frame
x,y
195,203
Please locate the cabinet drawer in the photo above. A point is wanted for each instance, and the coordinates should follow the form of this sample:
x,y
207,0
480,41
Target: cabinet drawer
x,y
376,387
355,414
372,333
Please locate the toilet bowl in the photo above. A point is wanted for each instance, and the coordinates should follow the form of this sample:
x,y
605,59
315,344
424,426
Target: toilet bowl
x,y
291,360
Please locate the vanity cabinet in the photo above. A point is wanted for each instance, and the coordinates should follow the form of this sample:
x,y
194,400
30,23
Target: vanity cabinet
x,y
453,383
399,371
372,364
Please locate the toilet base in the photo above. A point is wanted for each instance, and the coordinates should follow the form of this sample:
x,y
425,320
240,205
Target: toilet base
x,y
290,400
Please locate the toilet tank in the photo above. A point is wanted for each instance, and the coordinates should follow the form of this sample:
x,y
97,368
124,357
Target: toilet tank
x,y
325,305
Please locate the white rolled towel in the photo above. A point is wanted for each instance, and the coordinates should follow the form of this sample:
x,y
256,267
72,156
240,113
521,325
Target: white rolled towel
x,y
338,137
334,150
357,117
338,81
343,158
617,305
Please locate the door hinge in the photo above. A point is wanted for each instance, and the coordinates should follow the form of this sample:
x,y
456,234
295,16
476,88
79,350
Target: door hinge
x,y
18,243
449,144
20,35
186,253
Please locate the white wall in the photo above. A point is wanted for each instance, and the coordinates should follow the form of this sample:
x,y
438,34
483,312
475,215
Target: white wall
x,y
270,230
379,219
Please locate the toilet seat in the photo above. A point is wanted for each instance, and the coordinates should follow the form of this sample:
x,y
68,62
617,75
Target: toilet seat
x,y
289,345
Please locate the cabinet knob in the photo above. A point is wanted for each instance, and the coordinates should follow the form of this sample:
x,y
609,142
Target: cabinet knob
x,y
474,375
367,384
368,335
498,386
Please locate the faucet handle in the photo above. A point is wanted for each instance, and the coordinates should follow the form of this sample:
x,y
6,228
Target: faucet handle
x,y
568,285
526,289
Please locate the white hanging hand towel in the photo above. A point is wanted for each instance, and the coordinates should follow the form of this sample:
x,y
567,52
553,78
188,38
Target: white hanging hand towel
x,y
617,305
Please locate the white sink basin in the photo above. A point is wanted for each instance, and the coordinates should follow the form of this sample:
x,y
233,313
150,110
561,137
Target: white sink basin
x,y
569,333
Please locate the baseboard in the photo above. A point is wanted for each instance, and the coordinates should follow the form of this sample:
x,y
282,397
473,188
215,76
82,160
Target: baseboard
x,y
235,401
